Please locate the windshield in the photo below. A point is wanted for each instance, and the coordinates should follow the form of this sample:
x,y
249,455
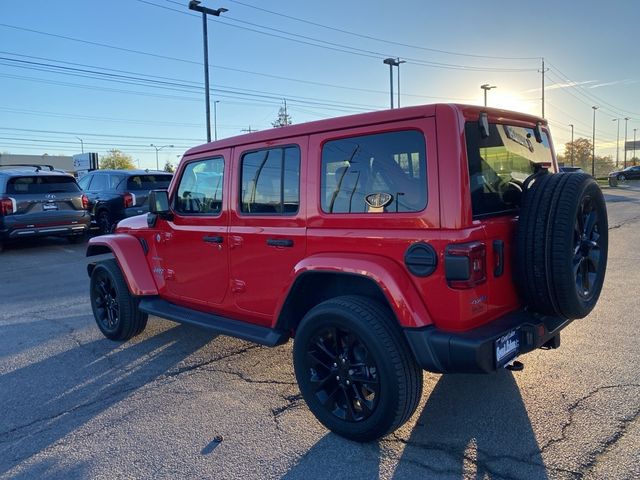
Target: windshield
x,y
500,163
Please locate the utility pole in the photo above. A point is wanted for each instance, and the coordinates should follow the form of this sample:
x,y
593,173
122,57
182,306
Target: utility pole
x,y
248,130
543,70
626,120
195,5
593,145
486,87
286,115
617,140
572,145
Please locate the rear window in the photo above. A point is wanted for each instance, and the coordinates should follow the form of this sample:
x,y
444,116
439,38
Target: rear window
x,y
380,173
42,184
148,182
500,163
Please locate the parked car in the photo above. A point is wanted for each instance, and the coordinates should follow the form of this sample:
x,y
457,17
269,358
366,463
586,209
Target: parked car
x,y
37,200
629,173
117,194
572,170
379,241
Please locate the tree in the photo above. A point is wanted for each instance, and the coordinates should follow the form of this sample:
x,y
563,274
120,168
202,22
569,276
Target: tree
x,y
582,152
117,160
168,167
283,118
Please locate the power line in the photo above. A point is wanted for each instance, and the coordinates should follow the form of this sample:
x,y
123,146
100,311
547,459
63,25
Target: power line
x,y
392,42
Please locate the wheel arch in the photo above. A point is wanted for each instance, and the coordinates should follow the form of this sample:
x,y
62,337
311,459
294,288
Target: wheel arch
x,y
130,256
318,279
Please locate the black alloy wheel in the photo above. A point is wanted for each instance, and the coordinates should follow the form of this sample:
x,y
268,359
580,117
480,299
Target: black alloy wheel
x,y
105,297
586,248
355,369
104,222
343,374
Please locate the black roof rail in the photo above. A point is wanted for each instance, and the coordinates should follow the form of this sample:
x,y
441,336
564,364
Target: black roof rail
x,y
34,165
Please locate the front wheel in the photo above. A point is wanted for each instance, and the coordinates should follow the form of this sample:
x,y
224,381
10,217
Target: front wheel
x,y
354,368
114,308
621,178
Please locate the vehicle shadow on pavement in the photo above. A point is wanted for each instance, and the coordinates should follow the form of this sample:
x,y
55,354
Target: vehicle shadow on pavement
x,y
47,400
473,425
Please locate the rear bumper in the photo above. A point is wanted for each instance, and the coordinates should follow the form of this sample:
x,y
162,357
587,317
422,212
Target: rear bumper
x,y
473,351
21,226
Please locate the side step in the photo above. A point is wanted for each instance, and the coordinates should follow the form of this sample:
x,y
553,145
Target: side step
x,y
222,325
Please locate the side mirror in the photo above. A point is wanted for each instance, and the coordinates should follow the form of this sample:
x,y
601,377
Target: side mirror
x,y
158,207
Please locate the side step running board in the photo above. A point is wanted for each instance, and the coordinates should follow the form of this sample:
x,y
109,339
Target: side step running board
x,y
222,325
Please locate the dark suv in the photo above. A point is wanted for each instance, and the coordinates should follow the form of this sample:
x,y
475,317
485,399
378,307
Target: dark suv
x,y
117,194
37,200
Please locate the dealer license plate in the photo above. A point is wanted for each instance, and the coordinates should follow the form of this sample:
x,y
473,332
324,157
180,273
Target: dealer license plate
x,y
507,348
49,206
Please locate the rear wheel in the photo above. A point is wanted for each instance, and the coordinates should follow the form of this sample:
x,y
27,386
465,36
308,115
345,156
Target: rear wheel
x,y
621,178
114,308
355,369
104,222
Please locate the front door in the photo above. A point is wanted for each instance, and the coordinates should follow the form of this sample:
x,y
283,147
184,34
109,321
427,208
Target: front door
x,y
267,233
192,247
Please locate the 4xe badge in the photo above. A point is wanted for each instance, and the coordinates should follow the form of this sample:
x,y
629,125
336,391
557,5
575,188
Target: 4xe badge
x,y
378,200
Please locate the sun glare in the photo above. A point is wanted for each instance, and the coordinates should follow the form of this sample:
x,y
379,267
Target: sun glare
x,y
511,101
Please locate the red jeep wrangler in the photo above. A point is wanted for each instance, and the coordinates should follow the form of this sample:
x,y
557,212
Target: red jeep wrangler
x,y
436,237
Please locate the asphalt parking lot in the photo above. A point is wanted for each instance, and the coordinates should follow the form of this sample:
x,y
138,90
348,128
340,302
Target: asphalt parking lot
x,y
177,402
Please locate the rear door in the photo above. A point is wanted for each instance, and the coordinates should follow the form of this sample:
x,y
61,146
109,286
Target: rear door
x,y
267,233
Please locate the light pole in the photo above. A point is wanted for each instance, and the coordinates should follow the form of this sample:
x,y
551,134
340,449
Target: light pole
x,y
486,87
572,146
157,150
626,120
617,140
634,144
392,62
593,144
81,144
195,5
215,120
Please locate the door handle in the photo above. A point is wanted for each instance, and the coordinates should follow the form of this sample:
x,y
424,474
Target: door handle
x,y
280,242
213,239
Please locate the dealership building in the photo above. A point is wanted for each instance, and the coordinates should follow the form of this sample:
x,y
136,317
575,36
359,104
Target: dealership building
x,y
77,165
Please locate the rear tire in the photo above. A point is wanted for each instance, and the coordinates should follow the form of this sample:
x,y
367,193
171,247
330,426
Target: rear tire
x,y
114,308
354,368
105,225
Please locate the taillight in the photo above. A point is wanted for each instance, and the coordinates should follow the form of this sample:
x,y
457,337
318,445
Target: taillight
x,y
8,205
85,202
129,200
465,264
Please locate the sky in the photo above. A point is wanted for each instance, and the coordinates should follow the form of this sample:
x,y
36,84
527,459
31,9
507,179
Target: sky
x,y
128,73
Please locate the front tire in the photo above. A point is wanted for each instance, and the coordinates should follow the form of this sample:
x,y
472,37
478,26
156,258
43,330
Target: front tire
x,y
354,368
114,308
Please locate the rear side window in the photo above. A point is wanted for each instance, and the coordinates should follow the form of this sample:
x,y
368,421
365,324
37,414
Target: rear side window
x,y
271,181
385,172
148,182
200,188
42,184
500,163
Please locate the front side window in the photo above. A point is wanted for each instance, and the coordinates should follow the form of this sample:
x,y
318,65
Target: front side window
x,y
381,173
200,188
500,163
83,183
271,181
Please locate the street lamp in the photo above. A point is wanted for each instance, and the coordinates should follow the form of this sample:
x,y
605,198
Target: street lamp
x,y
215,121
634,144
486,87
195,5
617,140
81,144
626,120
157,150
572,145
593,144
393,62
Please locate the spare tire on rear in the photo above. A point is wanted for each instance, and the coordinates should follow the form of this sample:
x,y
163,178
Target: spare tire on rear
x,y
561,245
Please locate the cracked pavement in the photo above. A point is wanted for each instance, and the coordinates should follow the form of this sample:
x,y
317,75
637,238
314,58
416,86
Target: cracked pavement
x,y
177,402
